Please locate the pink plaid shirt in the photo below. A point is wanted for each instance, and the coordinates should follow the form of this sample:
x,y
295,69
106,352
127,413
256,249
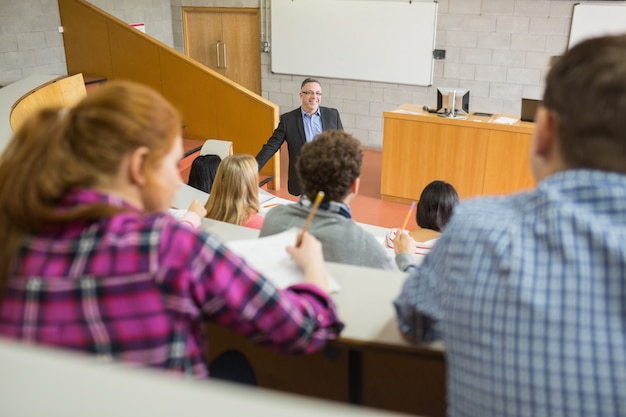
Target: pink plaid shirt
x,y
138,288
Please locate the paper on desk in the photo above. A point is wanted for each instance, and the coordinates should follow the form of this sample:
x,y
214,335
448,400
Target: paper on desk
x,y
269,256
178,214
271,203
403,111
264,196
505,120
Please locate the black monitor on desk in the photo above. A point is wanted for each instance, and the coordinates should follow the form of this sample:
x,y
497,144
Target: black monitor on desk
x,y
453,102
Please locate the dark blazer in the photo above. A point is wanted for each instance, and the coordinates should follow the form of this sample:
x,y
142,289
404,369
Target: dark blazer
x,y
291,129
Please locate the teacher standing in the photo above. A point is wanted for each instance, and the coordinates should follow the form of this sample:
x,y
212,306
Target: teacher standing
x,y
298,127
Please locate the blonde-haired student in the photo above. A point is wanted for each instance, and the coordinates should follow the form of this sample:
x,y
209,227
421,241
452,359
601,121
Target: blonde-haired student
x,y
235,194
91,260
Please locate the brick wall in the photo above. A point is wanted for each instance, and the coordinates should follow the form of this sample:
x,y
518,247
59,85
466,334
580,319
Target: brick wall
x,y
499,49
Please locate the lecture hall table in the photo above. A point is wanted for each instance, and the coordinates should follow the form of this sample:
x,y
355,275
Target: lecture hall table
x,y
370,364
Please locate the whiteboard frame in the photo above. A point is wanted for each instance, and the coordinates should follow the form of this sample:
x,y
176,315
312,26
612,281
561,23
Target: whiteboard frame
x,y
370,40
596,19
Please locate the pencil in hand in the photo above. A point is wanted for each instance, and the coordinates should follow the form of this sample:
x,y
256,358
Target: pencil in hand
x,y
318,199
408,215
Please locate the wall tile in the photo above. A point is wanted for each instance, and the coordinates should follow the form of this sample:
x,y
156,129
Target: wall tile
x,y
500,49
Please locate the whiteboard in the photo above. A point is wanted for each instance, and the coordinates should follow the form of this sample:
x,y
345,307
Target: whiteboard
x,y
386,41
597,19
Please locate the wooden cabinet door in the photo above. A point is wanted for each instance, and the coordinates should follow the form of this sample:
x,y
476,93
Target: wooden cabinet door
x,y
241,34
203,32
226,40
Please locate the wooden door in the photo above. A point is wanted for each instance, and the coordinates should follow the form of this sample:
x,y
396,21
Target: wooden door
x,y
226,40
241,33
203,32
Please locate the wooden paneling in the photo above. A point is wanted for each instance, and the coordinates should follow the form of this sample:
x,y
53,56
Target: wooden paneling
x,y
63,92
196,99
86,39
213,106
323,374
405,380
137,60
476,157
508,163
237,113
241,121
408,383
415,154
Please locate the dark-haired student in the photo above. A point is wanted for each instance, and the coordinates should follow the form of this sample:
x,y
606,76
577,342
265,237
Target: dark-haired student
x,y
529,290
434,209
203,171
91,261
298,127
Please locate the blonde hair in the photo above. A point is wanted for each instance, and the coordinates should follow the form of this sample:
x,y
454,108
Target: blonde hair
x,y
234,197
61,149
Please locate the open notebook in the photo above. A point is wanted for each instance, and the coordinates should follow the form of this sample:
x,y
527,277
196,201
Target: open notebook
x,y
269,256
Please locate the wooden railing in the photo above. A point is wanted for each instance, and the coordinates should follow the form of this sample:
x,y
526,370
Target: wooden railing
x,y
65,91
212,106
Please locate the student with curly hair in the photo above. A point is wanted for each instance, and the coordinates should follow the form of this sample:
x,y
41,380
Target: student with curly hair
x,y
332,164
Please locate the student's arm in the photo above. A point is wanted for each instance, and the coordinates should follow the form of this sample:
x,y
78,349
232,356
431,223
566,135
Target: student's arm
x,y
418,307
404,247
193,216
414,312
299,319
377,256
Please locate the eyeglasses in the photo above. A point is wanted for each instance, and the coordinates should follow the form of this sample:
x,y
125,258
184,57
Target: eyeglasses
x,y
311,93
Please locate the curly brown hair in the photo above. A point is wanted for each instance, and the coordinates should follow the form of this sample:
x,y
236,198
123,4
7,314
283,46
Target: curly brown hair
x,y
330,163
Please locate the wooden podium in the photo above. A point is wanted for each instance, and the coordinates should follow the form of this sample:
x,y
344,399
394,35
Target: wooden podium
x,y
476,155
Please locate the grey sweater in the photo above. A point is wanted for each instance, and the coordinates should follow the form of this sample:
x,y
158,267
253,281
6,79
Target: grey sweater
x,y
343,240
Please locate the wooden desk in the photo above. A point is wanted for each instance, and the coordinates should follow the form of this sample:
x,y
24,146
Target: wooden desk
x,y
477,156
370,364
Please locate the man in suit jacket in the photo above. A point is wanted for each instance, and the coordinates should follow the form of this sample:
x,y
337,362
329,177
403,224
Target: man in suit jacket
x,y
298,127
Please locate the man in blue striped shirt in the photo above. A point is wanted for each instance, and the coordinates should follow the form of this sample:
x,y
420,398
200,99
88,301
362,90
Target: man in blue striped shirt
x,y
529,290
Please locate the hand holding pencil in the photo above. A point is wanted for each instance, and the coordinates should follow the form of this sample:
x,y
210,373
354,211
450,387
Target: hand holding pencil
x,y
310,258
403,243
307,253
